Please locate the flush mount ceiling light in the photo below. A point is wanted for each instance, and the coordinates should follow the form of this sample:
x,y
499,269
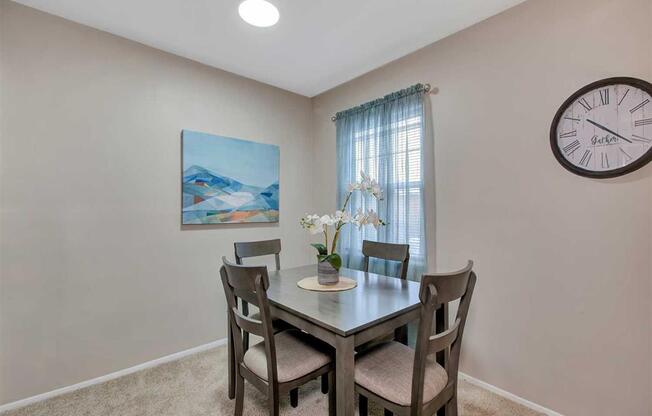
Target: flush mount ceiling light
x,y
259,13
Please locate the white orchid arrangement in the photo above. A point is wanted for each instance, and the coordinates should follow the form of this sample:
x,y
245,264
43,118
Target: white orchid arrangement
x,y
317,224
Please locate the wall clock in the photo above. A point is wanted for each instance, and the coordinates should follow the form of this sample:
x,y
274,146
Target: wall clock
x,y
605,129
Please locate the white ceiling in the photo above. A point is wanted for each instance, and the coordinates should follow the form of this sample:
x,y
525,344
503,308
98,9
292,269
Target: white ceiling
x,y
316,45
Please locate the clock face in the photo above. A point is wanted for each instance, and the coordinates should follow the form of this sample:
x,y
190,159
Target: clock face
x,y
605,129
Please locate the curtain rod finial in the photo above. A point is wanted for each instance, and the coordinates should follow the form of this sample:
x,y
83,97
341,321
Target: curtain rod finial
x,y
333,118
433,90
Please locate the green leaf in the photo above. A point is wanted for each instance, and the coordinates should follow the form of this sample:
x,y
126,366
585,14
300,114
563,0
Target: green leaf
x,y
335,260
322,257
320,248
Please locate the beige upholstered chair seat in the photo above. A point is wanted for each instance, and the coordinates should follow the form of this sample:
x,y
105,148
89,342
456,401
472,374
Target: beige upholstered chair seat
x,y
297,354
386,370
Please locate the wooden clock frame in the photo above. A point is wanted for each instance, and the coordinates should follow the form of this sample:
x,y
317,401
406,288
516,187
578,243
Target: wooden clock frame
x,y
639,163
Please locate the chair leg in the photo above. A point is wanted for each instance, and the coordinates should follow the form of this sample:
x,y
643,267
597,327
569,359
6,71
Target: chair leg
x,y
388,413
363,405
231,371
332,405
274,408
401,335
324,383
294,397
239,395
451,406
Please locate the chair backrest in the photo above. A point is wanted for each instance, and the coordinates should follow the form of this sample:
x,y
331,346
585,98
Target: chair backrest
x,y
437,290
387,251
258,248
250,284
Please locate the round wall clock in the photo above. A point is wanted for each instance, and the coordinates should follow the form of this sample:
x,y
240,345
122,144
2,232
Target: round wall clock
x,y
605,129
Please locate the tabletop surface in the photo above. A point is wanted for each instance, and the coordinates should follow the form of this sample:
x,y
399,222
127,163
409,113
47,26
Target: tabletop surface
x,y
375,299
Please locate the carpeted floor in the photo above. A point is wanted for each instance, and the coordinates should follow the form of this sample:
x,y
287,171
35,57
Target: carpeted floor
x,y
197,386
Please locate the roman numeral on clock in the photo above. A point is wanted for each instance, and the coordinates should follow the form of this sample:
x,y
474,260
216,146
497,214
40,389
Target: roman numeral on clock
x,y
571,147
605,161
638,107
623,97
604,96
627,155
586,158
638,138
585,104
643,122
568,134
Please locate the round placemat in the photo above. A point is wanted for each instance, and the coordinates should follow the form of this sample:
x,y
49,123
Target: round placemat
x,y
311,283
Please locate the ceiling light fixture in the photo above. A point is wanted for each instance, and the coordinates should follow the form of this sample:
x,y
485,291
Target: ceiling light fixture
x,y
259,13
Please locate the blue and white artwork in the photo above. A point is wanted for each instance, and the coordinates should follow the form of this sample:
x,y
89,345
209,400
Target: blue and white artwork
x,y
228,180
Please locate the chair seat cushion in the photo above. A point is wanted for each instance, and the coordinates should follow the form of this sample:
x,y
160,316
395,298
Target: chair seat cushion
x,y
297,354
386,370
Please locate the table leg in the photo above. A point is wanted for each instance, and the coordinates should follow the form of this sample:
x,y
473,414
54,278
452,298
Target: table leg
x,y
231,358
401,335
441,324
344,384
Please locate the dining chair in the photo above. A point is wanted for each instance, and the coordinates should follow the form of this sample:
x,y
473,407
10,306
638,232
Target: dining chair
x,y
411,382
392,252
387,251
257,249
247,249
281,362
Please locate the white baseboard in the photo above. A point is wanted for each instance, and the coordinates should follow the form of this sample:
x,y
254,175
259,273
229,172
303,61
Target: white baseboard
x,y
111,376
508,395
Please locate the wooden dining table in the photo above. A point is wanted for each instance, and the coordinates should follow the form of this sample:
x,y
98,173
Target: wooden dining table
x,y
375,307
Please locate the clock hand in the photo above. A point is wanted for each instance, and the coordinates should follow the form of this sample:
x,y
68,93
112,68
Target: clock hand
x,y
607,130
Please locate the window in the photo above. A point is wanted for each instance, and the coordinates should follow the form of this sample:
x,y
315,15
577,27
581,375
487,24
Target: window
x,y
404,184
384,138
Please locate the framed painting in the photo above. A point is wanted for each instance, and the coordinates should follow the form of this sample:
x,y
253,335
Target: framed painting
x,y
227,180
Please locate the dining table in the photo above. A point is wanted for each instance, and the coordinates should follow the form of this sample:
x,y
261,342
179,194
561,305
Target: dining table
x,y
375,307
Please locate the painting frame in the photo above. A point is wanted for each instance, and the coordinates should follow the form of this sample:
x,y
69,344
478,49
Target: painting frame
x,y
228,180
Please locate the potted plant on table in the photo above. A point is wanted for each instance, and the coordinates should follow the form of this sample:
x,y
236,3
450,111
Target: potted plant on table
x,y
329,261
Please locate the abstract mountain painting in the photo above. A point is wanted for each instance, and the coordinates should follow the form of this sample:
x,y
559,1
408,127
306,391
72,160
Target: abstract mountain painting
x,y
228,180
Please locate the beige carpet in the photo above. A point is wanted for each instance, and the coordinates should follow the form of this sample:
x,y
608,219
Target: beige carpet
x,y
197,385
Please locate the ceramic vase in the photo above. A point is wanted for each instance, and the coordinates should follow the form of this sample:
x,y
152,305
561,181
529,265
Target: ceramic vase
x,y
327,274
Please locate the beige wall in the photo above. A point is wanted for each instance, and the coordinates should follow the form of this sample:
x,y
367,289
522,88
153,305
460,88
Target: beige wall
x,y
562,311
97,274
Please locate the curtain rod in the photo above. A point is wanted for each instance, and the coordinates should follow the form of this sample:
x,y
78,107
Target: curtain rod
x,y
426,88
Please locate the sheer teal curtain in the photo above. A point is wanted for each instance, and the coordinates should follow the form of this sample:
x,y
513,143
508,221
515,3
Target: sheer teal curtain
x,y
385,138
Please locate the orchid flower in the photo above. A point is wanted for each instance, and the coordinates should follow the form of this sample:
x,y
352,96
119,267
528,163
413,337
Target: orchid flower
x,y
316,224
